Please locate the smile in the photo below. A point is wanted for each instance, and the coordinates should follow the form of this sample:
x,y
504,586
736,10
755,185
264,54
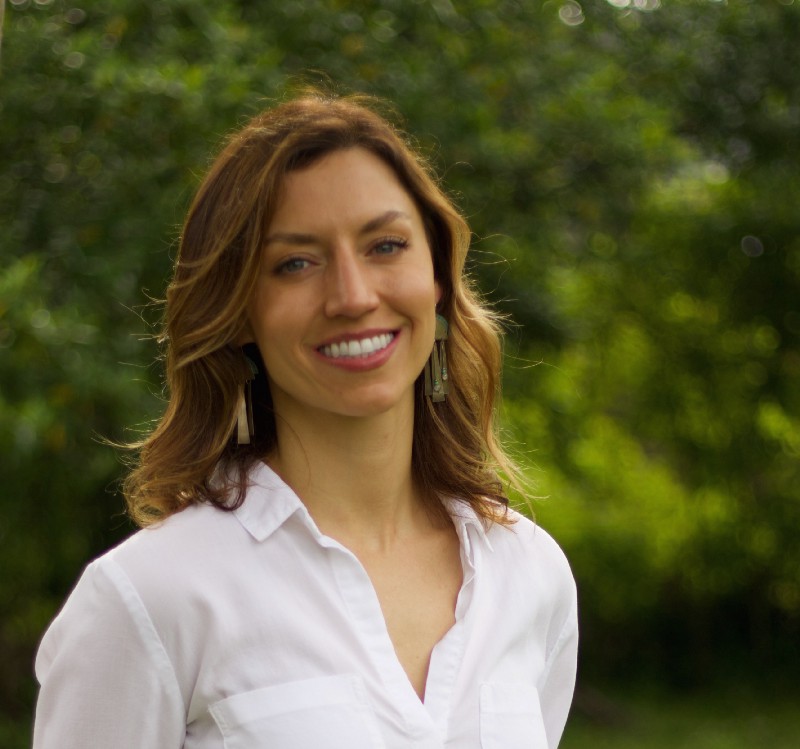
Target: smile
x,y
357,348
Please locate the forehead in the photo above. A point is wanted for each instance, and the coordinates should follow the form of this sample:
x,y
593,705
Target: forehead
x,y
342,183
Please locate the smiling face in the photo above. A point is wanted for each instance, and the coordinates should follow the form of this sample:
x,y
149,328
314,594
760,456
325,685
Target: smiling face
x,y
344,309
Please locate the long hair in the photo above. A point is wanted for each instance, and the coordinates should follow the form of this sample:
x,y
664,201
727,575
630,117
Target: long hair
x,y
192,454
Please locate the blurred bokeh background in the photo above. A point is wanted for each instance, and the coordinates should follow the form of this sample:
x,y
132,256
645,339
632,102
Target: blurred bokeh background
x,y
631,170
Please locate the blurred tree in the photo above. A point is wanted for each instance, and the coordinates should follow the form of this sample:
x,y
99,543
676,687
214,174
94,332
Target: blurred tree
x,y
686,353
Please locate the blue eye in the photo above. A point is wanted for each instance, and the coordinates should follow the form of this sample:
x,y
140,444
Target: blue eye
x,y
390,246
292,265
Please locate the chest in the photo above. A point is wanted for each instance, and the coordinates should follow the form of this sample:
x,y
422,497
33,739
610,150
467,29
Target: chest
x,y
417,591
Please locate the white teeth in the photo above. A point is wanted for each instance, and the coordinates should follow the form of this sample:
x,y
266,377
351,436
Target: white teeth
x,y
361,348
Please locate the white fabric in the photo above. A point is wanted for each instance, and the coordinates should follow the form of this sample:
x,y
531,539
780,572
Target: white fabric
x,y
252,630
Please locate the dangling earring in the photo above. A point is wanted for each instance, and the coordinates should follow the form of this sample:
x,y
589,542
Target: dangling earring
x,y
437,382
245,428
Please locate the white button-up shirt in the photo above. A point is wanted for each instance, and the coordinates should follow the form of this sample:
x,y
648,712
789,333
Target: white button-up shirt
x,y
253,630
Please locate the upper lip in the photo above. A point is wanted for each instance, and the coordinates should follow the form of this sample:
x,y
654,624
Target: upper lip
x,y
356,336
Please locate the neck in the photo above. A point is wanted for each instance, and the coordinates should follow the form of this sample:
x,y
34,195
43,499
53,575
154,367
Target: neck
x,y
353,474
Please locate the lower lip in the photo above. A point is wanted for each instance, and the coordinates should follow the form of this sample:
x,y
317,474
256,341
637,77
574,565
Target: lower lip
x,y
362,363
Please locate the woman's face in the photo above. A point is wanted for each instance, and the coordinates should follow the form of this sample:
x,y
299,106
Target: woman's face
x,y
344,309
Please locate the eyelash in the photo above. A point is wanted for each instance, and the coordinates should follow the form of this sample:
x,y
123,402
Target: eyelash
x,y
285,267
398,243
289,266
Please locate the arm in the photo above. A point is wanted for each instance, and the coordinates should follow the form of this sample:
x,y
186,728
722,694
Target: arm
x,y
558,682
106,680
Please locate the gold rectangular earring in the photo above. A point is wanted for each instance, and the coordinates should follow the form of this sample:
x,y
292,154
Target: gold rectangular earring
x,y
245,427
437,378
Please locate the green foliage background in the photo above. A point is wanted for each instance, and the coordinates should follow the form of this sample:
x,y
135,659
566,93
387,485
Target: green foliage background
x,y
631,171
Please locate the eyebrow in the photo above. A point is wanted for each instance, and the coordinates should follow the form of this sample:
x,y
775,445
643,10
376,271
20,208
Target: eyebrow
x,y
293,238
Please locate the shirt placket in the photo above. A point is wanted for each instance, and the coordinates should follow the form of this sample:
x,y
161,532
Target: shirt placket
x,y
448,653
364,607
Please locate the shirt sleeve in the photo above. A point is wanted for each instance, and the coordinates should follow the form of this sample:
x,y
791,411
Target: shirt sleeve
x,y
558,683
106,680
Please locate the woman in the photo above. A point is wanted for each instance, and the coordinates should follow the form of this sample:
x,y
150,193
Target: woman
x,y
328,558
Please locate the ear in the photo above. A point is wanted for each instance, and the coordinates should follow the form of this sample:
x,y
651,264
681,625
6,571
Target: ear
x,y
438,288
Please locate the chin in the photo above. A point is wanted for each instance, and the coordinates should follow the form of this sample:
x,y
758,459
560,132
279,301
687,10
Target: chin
x,y
374,403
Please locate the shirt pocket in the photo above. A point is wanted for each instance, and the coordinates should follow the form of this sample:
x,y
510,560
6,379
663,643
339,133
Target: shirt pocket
x,y
330,711
511,717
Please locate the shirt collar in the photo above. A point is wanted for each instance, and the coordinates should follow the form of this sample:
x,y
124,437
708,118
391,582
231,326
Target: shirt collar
x,y
464,516
270,502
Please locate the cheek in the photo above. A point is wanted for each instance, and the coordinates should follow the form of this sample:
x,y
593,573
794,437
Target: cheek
x,y
417,294
265,324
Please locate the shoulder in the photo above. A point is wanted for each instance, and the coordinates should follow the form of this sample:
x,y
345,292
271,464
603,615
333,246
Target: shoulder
x,y
159,557
528,564
525,541
180,557
103,621
137,598
195,531
153,573
100,656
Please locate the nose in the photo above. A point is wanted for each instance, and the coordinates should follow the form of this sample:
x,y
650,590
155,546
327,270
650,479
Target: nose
x,y
349,288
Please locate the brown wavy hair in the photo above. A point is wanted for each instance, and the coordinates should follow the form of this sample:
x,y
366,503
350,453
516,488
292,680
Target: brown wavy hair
x,y
192,455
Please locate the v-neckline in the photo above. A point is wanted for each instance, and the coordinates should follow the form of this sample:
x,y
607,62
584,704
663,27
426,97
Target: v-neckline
x,y
363,603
